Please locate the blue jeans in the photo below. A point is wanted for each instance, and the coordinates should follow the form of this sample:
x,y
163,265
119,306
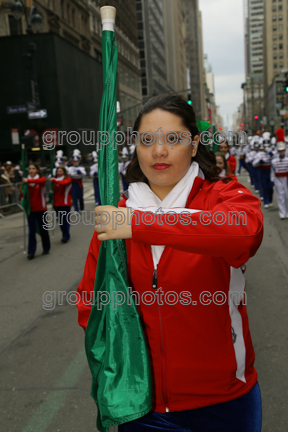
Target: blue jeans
x,y
239,415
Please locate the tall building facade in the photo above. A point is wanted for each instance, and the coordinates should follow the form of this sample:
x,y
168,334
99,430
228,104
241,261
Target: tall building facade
x,y
79,23
253,88
151,40
175,45
275,57
276,39
246,39
68,19
255,41
195,57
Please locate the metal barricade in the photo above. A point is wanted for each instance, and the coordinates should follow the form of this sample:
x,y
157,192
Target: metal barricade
x,y
10,197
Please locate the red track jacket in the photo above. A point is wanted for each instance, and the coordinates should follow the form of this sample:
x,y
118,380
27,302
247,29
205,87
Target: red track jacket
x,y
62,192
201,352
37,194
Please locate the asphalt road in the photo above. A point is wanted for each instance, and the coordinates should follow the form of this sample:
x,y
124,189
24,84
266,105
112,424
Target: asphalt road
x,y
45,380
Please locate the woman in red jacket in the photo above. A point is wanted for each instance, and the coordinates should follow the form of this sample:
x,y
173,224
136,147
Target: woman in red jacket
x,y
190,262
231,161
62,200
221,163
37,194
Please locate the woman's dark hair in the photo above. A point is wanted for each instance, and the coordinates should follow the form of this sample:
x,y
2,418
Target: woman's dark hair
x,y
177,105
63,169
37,168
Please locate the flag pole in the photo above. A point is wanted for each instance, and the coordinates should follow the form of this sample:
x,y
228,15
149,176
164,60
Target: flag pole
x,y
118,358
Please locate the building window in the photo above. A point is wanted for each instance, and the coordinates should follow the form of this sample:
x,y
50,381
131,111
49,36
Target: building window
x,y
62,9
274,47
280,27
274,8
274,18
274,27
280,36
281,55
15,26
275,56
275,37
275,65
280,17
280,46
281,65
280,7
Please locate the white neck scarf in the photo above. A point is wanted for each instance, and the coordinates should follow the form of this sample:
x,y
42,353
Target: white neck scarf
x,y
33,178
141,197
60,178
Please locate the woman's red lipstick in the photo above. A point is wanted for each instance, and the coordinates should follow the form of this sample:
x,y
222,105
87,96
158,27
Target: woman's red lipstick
x,y
160,166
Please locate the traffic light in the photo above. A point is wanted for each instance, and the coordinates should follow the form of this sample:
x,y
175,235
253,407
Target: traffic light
x,y
189,99
286,85
256,117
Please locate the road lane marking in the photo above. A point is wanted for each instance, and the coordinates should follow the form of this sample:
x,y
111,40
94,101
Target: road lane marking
x,y
48,409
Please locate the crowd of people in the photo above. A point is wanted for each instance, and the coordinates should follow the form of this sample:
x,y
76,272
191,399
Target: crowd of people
x,y
265,159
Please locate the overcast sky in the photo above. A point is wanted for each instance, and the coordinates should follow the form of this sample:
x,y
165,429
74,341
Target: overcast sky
x,y
223,38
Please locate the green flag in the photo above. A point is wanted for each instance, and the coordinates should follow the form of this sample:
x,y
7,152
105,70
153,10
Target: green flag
x,y
25,202
203,126
115,344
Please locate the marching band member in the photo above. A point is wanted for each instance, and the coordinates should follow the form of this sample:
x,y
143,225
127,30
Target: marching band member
x,y
221,162
231,161
77,172
279,175
249,159
123,167
62,200
37,194
202,361
94,175
262,161
59,161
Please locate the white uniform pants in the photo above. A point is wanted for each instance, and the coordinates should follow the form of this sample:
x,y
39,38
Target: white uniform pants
x,y
281,188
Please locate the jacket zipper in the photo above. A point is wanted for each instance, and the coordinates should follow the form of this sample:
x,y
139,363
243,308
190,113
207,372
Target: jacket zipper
x,y
154,286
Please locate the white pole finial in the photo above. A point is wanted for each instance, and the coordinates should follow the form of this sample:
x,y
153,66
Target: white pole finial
x,y
108,16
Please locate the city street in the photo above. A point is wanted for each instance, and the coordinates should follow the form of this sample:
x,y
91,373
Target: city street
x,y
45,380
